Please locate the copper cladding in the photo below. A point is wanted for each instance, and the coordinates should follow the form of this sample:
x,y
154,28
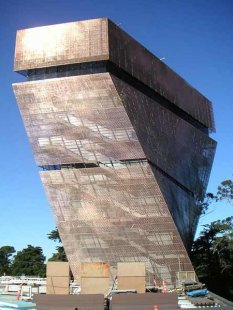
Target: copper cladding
x,y
122,142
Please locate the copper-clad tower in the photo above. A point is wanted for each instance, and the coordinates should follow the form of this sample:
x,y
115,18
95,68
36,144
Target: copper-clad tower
x,y
122,142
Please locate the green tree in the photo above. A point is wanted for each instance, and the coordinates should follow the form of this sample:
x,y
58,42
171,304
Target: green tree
x,y
6,253
225,191
212,256
54,235
60,255
30,262
204,205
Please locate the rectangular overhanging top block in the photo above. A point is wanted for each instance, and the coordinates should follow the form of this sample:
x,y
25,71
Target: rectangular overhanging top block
x,y
129,55
58,269
131,269
101,39
61,44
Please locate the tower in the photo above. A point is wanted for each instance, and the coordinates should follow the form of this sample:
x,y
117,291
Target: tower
x,y
122,143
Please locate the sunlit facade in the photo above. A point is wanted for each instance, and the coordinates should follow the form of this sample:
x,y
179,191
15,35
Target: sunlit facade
x,y
122,143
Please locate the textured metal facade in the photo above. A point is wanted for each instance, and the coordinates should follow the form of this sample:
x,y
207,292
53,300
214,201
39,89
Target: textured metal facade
x,y
115,214
131,56
169,142
61,44
76,119
125,153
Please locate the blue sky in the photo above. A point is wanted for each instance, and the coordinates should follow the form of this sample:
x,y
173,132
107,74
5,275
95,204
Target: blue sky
x,y
194,36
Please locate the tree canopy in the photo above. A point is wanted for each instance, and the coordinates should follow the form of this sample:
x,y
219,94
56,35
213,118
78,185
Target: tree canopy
x,y
54,235
225,191
60,255
29,262
212,256
6,253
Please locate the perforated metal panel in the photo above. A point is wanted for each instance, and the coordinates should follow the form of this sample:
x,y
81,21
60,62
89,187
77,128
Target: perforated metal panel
x,y
101,39
115,214
131,56
54,45
76,119
169,142
123,142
